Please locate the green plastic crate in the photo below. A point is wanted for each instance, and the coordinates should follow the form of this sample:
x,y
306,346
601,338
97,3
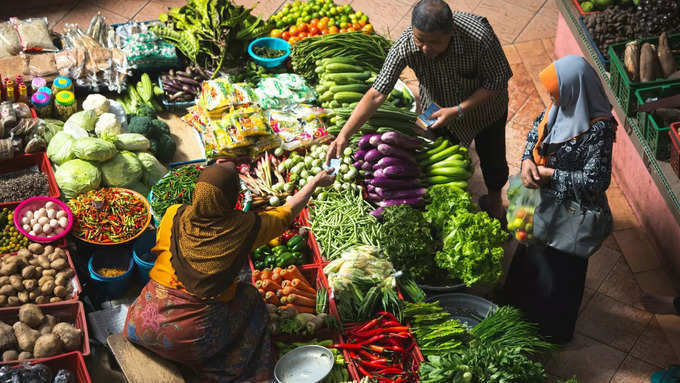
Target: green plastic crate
x,y
658,92
658,139
619,81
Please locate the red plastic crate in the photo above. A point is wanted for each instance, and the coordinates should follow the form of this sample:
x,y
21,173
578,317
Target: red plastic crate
x,y
72,361
314,245
675,147
25,161
581,11
68,311
77,288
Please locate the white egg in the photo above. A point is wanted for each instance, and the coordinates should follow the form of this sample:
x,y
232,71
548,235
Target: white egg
x,y
37,228
60,214
26,227
29,214
50,205
63,222
47,229
31,233
51,213
40,213
25,220
54,223
43,220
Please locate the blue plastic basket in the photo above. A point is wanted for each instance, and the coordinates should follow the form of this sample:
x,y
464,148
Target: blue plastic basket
x,y
273,43
143,246
600,56
178,106
110,287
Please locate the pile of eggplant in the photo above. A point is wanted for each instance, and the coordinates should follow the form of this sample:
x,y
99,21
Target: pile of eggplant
x,y
184,85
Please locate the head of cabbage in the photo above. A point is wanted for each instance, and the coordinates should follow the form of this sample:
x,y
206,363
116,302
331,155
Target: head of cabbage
x,y
85,119
60,148
153,169
94,149
122,170
132,141
77,176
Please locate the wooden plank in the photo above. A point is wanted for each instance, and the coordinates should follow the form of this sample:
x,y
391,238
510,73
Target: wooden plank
x,y
140,365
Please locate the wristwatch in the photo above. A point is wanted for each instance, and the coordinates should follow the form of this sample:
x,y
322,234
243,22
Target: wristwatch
x,y
459,115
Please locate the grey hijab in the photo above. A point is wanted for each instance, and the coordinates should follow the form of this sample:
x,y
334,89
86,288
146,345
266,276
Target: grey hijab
x,y
582,98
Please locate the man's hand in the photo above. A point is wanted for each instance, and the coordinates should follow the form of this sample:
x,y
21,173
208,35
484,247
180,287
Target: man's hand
x,y
324,178
443,117
529,175
336,148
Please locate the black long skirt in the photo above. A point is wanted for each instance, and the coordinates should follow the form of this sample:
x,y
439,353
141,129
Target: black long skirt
x,y
547,285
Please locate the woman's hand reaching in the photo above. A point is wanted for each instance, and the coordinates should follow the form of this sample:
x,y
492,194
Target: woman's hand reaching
x,y
530,176
324,178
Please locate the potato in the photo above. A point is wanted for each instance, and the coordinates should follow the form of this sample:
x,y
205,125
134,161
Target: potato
x,y
26,336
7,290
15,281
49,273
32,295
59,264
38,270
49,249
47,345
48,324
55,299
25,355
41,299
36,248
31,315
4,280
62,280
44,262
10,355
29,272
23,296
7,338
29,284
60,291
44,279
9,268
68,273
3,300
24,253
47,287
71,337
13,301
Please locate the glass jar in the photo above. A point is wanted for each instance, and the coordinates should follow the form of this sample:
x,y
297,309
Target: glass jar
x,y
42,104
62,83
65,104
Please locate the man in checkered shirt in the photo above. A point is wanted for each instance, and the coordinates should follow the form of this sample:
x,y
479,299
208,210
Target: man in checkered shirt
x,y
462,68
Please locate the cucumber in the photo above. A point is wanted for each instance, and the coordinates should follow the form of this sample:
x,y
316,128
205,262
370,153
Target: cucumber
x,y
451,158
334,104
342,68
457,163
361,88
347,97
441,155
322,88
456,174
336,60
459,184
328,96
353,76
436,180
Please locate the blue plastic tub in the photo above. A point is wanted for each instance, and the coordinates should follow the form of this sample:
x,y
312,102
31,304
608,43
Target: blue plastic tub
x,y
270,42
143,246
110,287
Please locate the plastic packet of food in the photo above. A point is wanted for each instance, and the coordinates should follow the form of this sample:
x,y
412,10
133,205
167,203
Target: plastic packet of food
x,y
227,135
34,35
248,121
21,110
242,94
216,94
287,127
264,143
520,214
9,40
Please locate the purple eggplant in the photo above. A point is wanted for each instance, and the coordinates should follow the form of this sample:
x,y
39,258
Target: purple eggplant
x,y
374,197
375,140
372,156
370,188
359,154
365,166
415,202
358,164
400,171
393,151
378,174
394,161
394,184
378,213
400,140
400,194
364,142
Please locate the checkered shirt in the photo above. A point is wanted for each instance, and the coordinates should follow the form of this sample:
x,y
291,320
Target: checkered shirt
x,y
474,59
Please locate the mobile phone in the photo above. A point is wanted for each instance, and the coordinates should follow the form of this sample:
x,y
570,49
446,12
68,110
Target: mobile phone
x,y
424,119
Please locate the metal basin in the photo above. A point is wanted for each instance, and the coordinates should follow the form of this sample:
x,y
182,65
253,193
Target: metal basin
x,y
304,364
465,308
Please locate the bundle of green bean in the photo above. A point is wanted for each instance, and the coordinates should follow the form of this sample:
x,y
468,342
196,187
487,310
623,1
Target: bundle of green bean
x,y
370,50
341,221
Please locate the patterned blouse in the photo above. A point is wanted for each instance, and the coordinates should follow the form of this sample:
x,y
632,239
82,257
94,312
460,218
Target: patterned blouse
x,y
582,166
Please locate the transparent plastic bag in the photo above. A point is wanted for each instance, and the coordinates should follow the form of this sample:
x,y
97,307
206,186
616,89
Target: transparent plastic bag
x,y
520,213
9,40
34,35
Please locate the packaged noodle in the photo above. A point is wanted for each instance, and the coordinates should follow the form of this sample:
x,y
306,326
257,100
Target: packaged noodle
x,y
298,126
248,121
227,135
264,143
220,94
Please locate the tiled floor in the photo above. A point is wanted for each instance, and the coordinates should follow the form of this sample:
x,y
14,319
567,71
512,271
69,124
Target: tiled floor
x,y
616,340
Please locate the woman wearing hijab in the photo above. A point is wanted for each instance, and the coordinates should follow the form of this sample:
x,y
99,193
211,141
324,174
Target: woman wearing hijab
x,y
568,154
194,310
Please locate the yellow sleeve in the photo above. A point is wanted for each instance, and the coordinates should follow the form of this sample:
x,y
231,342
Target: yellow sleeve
x,y
272,224
162,271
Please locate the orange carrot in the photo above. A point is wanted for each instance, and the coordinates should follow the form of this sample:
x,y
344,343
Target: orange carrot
x,y
256,275
270,297
277,270
293,272
269,285
266,274
302,309
276,277
258,284
285,283
301,300
292,290
261,291
302,285
285,274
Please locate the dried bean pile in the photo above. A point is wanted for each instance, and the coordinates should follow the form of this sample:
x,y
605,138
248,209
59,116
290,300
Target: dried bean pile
x,y
23,186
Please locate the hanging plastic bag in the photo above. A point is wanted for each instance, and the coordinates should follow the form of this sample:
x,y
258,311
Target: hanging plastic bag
x,y
520,213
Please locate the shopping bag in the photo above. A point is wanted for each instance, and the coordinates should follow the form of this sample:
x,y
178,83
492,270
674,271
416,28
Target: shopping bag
x,y
520,214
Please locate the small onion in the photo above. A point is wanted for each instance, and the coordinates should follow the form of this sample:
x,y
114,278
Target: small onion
x,y
47,229
39,213
50,205
63,222
26,227
29,214
54,223
43,220
51,213
25,220
37,228
60,214
33,221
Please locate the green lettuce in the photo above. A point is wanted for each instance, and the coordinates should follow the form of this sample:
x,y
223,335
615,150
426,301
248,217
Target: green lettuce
x,y
444,201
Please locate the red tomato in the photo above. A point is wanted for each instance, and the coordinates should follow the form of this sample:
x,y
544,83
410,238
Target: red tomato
x,y
313,31
303,28
313,22
293,30
333,29
302,35
285,35
351,29
276,33
521,235
324,32
323,24
356,26
292,40
343,30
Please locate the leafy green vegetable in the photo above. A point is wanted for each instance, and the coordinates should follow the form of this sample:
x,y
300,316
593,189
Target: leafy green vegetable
x,y
122,170
407,240
472,247
444,201
507,328
166,148
435,330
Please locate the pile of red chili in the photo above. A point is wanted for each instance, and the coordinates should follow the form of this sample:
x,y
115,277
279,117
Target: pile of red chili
x,y
108,215
381,349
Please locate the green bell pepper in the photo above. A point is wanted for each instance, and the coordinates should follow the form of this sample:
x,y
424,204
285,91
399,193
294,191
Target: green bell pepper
x,y
294,240
285,259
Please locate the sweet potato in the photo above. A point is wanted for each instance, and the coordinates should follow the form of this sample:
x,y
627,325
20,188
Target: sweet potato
x,y
31,315
26,336
10,355
666,59
631,60
47,345
648,63
7,338
71,337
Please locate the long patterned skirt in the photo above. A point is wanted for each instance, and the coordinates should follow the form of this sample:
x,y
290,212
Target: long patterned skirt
x,y
220,341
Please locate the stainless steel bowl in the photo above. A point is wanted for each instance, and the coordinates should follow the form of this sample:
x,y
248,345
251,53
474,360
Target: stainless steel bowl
x,y
304,364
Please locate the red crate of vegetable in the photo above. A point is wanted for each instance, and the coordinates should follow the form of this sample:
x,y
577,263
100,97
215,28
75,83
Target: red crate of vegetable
x,y
70,312
72,361
313,244
580,10
26,161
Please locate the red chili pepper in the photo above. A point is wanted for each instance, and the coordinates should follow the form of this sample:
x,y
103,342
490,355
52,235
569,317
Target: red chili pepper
x,y
368,355
364,372
388,315
349,346
390,370
368,325
369,333
374,365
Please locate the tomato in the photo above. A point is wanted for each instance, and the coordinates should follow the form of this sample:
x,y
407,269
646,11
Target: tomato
x,y
275,33
323,24
293,30
302,35
356,26
324,32
362,22
303,27
285,35
314,22
351,29
368,28
333,29
313,31
343,30
325,19
292,40
521,236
